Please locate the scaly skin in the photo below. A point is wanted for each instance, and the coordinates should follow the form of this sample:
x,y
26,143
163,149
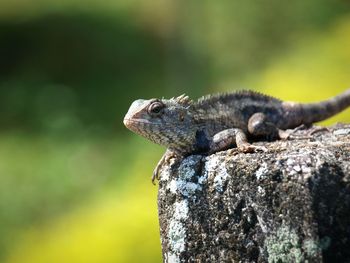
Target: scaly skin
x,y
215,123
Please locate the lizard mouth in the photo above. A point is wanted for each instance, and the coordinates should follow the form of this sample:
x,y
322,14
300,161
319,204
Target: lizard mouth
x,y
126,120
133,123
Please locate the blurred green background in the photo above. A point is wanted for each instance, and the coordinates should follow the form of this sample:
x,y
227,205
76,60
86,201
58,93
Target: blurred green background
x,y
74,183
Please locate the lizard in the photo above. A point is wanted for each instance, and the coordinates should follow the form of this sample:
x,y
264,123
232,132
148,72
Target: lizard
x,y
218,122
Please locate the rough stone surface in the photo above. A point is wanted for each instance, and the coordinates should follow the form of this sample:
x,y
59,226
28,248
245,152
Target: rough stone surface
x,y
289,204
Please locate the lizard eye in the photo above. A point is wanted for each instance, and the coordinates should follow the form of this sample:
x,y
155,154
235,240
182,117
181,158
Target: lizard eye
x,y
155,108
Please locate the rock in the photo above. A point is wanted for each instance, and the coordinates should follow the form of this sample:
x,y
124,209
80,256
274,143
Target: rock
x,y
289,204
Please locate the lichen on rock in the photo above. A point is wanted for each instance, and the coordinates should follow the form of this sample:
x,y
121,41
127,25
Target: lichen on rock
x,y
289,204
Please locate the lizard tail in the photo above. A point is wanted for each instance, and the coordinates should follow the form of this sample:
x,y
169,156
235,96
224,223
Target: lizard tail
x,y
315,112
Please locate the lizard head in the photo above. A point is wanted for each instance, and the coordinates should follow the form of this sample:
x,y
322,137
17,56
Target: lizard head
x,y
165,122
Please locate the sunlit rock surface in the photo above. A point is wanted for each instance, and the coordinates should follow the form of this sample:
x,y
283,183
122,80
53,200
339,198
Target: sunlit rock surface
x,y
290,204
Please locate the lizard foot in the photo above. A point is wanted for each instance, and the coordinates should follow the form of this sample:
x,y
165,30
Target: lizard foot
x,y
249,148
285,135
166,158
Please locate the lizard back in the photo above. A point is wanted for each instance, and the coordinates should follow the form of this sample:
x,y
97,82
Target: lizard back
x,y
235,109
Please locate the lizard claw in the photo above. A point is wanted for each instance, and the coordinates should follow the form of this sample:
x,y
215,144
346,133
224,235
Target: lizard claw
x,y
284,135
249,148
166,158
155,175
260,149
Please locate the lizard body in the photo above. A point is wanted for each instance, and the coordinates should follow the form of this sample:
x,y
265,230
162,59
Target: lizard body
x,y
215,123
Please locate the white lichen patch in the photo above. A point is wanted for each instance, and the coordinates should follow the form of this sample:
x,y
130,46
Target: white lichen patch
x,y
262,223
314,247
187,189
202,179
181,210
262,171
172,258
172,186
219,181
212,162
177,231
215,167
284,246
297,163
261,191
177,236
187,168
183,183
311,247
166,171
342,132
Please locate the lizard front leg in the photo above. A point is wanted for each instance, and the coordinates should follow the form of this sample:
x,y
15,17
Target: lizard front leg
x,y
167,156
227,138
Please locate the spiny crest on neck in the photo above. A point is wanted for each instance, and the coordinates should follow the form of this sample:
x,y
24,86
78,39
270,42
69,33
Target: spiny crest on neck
x,y
182,99
233,96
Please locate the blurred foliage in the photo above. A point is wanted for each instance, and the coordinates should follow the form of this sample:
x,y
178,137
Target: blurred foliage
x,y
45,176
64,72
74,184
65,65
317,69
118,228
